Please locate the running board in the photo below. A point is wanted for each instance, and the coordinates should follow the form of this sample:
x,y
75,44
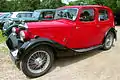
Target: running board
x,y
87,49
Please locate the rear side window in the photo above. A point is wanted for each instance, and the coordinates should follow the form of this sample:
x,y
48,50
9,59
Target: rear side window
x,y
20,15
87,15
103,15
28,15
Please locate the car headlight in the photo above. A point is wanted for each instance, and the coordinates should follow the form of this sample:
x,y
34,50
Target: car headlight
x,y
22,35
13,29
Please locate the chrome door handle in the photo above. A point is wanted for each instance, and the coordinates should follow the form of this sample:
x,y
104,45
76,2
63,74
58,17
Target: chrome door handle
x,y
77,27
98,25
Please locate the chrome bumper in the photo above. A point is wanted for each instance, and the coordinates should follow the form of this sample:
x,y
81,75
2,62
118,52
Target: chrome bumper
x,y
13,45
13,55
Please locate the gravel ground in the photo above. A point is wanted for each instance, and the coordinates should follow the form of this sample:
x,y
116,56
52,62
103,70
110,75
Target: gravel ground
x,y
93,65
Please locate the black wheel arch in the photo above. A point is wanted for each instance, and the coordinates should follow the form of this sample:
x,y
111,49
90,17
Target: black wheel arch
x,y
28,46
114,32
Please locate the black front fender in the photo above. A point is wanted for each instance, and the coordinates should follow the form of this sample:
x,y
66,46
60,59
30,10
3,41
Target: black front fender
x,y
29,45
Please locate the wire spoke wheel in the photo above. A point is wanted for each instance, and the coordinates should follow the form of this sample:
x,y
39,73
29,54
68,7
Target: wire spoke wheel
x,y
38,61
108,41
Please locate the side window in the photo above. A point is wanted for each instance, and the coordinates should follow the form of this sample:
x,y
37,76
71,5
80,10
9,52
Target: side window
x,y
20,15
103,15
87,15
47,15
28,15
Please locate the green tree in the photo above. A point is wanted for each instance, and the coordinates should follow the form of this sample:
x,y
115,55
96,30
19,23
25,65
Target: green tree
x,y
99,2
13,5
3,5
51,4
79,2
118,3
113,4
28,4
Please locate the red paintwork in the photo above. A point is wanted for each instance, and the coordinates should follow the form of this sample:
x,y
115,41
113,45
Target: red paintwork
x,y
17,30
28,35
74,34
48,17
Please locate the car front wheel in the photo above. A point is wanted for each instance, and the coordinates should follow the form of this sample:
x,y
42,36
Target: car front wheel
x,y
37,62
109,39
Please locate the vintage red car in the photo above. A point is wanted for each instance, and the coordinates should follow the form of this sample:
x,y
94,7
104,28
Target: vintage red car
x,y
74,28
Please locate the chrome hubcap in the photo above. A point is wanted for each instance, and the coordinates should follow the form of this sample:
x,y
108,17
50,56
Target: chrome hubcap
x,y
109,40
38,61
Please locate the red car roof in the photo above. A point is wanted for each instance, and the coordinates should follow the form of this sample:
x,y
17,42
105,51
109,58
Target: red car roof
x,y
77,6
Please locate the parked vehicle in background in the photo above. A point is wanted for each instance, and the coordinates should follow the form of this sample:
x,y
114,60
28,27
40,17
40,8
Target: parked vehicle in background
x,y
38,15
14,16
2,16
43,14
74,28
1,13
21,14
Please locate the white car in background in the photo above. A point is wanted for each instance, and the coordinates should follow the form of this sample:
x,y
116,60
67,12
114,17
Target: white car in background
x,y
15,16
21,14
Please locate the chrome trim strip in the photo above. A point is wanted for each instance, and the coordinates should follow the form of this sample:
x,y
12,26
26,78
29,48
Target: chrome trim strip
x,y
87,49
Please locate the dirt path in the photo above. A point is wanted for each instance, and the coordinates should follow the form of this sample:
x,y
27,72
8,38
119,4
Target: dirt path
x,y
94,65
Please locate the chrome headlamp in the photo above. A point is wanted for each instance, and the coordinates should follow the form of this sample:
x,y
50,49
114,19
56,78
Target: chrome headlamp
x,y
13,30
22,35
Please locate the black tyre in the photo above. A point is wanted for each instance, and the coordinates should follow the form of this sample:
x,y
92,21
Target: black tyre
x,y
37,62
108,42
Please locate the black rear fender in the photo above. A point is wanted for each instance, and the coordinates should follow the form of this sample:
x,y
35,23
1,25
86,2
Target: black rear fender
x,y
114,32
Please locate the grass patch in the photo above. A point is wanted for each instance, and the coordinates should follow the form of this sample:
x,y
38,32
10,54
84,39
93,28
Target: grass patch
x,y
3,47
2,39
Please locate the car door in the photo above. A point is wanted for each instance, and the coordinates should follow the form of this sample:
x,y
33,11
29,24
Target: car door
x,y
104,21
86,32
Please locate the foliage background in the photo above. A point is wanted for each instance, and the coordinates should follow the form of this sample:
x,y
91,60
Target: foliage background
x,y
30,5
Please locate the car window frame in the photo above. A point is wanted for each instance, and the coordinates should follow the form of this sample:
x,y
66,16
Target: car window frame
x,y
69,8
24,16
88,9
40,18
107,13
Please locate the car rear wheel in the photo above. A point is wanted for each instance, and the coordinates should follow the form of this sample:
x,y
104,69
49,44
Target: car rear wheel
x,y
109,39
37,62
